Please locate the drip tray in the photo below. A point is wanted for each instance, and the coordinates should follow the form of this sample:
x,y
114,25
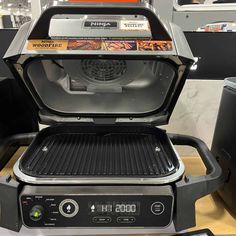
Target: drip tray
x,y
100,155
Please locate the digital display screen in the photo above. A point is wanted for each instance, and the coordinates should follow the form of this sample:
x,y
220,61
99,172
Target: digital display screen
x,y
124,208
102,208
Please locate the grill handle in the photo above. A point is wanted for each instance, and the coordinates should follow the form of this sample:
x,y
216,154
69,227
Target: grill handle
x,y
213,169
41,28
191,188
9,145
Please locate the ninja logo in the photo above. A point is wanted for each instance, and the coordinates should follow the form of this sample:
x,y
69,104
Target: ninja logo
x,y
100,24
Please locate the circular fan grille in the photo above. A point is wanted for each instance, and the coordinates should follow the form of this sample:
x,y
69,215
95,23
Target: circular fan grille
x,y
104,70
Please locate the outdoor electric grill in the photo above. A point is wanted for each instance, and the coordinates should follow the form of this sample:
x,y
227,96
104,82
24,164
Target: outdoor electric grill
x,y
103,77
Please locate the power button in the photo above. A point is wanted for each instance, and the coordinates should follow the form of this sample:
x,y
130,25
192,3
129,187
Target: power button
x,y
69,208
157,208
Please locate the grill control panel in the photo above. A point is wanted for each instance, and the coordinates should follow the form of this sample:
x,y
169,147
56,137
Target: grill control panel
x,y
104,206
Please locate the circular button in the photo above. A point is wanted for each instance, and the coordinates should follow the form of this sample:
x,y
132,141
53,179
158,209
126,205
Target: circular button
x,y
36,213
69,208
157,208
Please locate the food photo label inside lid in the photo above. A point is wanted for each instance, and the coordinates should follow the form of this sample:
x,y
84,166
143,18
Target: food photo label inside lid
x,y
101,24
139,25
102,45
47,45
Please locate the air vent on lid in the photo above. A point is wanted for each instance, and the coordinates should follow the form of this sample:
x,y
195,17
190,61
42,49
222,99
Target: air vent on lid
x,y
104,70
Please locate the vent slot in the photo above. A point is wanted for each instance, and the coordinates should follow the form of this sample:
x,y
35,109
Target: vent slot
x,y
104,70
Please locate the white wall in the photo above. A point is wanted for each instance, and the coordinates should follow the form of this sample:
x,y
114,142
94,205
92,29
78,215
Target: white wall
x,y
196,111
35,8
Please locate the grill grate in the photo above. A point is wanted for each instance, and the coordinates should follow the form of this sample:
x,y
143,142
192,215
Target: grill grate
x,y
92,155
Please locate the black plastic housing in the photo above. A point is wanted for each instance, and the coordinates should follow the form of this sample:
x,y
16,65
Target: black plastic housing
x,y
192,188
9,188
9,207
223,146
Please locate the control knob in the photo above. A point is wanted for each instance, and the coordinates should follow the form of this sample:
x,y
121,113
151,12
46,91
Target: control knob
x,y
69,208
36,213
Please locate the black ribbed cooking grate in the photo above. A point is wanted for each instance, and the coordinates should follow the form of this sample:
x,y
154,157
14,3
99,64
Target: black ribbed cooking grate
x,y
92,155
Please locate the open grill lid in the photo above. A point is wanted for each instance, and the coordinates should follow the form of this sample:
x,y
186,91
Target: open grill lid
x,y
101,63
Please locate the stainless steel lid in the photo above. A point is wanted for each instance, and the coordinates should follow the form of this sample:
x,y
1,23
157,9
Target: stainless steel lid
x,y
101,80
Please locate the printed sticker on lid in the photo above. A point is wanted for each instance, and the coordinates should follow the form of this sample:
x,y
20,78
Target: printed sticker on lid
x,y
120,45
136,25
47,45
100,45
84,45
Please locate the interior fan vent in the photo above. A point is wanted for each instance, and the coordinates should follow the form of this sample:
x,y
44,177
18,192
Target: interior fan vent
x,y
103,70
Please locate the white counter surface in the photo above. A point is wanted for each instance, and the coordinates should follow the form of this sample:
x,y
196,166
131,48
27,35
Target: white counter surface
x,y
74,232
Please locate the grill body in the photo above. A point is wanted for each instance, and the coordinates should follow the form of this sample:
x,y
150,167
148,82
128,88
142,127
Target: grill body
x,y
103,162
